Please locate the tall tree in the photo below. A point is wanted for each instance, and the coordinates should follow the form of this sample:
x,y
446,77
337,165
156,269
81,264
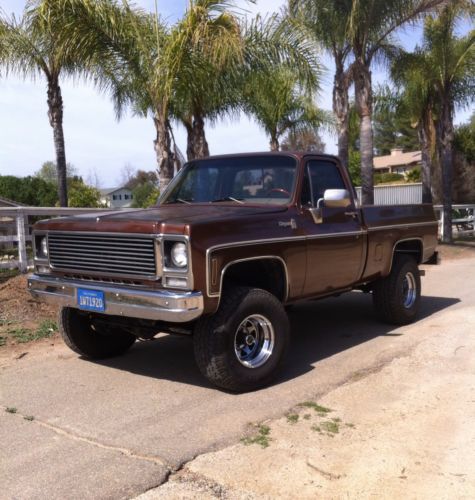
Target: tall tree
x,y
326,22
31,47
452,73
303,140
123,49
275,100
204,45
416,98
219,54
371,25
393,126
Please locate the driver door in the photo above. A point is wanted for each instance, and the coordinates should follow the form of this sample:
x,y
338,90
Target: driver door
x,y
336,245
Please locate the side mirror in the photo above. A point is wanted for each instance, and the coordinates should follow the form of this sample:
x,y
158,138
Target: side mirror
x,y
332,198
336,198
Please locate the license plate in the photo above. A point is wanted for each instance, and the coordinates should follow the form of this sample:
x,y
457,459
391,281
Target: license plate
x,y
91,300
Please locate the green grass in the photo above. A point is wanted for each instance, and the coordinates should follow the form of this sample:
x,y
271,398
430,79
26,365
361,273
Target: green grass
x,y
292,418
307,416
30,418
23,335
46,328
3,340
316,428
262,437
321,410
20,334
11,409
6,274
330,426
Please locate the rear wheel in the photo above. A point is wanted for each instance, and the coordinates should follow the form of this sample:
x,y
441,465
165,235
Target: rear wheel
x,y
396,298
80,335
242,346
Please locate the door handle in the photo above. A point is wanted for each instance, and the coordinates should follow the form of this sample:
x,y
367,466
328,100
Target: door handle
x,y
352,214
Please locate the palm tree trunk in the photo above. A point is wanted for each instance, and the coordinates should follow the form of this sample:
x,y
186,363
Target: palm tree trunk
x,y
426,163
163,151
341,84
55,115
196,145
274,143
363,98
190,150
445,137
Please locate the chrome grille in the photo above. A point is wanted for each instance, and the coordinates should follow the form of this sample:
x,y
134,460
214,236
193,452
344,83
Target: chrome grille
x,y
103,254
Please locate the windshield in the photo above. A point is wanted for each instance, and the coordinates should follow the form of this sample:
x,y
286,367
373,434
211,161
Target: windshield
x,y
240,180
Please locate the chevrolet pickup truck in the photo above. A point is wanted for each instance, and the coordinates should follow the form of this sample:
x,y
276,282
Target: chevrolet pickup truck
x,y
233,241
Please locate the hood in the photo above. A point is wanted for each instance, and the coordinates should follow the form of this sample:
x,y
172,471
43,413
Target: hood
x,y
156,219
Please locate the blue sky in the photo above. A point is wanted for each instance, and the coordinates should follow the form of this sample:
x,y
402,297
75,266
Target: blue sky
x,y
95,141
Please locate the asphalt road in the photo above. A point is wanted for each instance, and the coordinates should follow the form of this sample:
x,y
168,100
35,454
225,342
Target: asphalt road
x,y
116,429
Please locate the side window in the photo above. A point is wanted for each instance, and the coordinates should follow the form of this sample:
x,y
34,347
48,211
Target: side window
x,y
323,175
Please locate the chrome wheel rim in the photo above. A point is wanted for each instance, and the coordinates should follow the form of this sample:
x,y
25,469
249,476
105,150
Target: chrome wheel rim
x,y
409,290
254,341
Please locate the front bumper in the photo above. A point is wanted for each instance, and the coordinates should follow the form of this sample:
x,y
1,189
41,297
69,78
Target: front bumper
x,y
160,305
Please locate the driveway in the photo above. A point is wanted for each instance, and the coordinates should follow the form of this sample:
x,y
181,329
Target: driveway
x,y
115,429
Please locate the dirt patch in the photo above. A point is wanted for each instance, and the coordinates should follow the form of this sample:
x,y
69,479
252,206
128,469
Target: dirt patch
x,y
22,318
459,250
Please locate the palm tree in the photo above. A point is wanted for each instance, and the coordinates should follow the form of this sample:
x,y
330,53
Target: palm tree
x,y
416,100
451,71
275,100
219,55
29,47
204,45
371,25
436,78
122,48
326,23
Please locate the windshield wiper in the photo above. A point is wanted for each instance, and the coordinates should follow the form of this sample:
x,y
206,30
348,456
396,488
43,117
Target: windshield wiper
x,y
227,198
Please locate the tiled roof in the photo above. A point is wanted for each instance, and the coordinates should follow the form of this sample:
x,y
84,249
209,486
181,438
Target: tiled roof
x,y
107,191
397,158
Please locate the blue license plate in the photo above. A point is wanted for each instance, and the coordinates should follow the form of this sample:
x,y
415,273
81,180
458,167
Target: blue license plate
x,y
91,300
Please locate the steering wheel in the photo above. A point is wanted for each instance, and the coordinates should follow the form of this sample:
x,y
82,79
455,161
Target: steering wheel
x,y
279,190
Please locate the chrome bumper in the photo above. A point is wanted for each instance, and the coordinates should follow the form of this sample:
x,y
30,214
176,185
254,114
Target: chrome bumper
x,y
160,305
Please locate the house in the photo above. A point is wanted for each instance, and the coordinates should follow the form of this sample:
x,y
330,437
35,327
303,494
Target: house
x,y
397,162
119,197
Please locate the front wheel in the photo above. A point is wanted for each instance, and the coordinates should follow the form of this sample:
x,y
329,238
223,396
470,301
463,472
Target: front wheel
x,y
397,297
242,346
83,337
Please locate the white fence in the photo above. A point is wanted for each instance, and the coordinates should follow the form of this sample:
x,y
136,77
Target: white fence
x,y
396,194
16,220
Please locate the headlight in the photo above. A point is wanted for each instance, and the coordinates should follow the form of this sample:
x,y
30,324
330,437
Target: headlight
x,y
44,247
179,255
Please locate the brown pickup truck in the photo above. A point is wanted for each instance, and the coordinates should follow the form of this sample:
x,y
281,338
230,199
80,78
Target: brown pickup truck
x,y
233,241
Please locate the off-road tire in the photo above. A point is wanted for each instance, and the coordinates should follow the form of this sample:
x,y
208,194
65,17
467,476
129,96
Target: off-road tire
x,y
80,336
214,340
388,293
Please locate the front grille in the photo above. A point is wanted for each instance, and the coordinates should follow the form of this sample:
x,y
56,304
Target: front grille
x,y
103,254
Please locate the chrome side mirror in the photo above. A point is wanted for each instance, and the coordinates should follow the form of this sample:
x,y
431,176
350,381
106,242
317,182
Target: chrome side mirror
x,y
332,198
336,198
